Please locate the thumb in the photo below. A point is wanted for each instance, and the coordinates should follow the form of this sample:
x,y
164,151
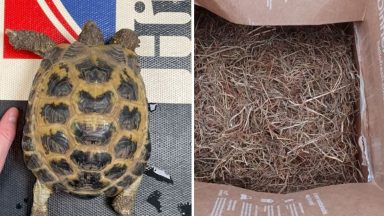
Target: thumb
x,y
7,133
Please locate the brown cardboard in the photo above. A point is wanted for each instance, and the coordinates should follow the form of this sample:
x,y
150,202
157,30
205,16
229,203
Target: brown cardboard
x,y
290,12
370,44
349,199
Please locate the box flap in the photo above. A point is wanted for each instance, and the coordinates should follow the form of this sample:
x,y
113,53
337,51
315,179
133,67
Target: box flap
x,y
370,53
297,12
348,199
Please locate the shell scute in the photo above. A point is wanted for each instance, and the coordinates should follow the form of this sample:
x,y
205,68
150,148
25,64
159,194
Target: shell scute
x,y
56,143
91,161
99,104
89,134
116,171
53,113
129,119
59,86
94,72
125,148
61,167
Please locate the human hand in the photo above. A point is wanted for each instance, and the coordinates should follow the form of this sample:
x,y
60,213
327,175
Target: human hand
x,y
7,133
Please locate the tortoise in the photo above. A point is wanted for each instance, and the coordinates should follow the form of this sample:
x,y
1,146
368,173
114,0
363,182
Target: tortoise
x,y
86,130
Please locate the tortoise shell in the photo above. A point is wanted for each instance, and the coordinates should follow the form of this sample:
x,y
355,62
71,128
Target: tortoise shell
x,y
86,129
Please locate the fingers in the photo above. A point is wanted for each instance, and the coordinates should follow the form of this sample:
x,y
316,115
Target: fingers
x,y
7,133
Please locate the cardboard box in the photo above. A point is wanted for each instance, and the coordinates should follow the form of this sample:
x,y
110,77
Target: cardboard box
x,y
348,199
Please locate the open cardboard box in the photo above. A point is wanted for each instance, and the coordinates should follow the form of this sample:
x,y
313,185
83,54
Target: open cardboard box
x,y
347,199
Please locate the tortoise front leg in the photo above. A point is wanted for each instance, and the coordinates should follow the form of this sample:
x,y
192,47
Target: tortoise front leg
x,y
37,43
125,201
40,199
91,35
126,38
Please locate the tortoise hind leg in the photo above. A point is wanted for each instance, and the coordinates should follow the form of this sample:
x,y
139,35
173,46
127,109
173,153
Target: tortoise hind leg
x,y
40,199
126,38
125,201
37,43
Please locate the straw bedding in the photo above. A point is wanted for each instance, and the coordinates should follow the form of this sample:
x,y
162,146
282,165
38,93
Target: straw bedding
x,y
275,107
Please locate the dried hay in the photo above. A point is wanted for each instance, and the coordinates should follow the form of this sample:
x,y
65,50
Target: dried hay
x,y
275,108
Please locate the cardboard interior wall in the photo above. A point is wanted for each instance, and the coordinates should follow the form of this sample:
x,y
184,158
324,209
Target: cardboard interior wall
x,y
348,199
286,12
